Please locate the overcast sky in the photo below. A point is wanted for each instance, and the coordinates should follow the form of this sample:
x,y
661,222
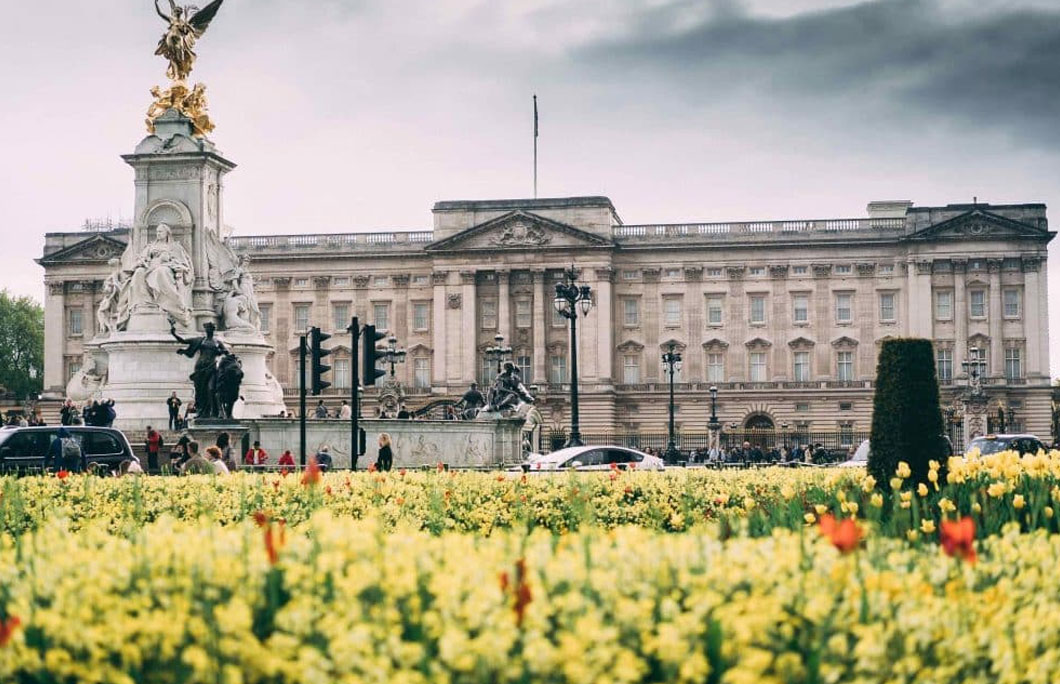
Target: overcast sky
x,y
357,115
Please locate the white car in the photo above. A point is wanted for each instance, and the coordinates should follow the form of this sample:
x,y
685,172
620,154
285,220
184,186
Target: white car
x,y
860,459
590,458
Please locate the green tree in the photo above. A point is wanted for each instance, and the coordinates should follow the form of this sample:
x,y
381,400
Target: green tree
x,y
21,344
906,418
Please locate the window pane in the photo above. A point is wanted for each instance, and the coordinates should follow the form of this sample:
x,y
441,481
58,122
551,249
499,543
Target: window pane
x,y
631,312
301,317
341,316
526,366
1012,303
843,313
421,373
758,367
845,366
715,368
672,312
944,365
341,373
522,313
758,309
1013,364
977,302
887,306
266,317
77,322
489,314
714,311
800,309
630,369
558,370
420,316
381,316
802,366
943,305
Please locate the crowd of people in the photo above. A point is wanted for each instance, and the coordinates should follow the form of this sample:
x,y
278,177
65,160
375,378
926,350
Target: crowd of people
x,y
748,453
97,413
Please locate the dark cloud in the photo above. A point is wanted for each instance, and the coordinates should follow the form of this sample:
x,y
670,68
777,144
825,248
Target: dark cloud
x,y
996,69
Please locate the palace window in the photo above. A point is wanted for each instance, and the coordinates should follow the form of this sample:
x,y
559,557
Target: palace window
x,y
522,313
487,371
944,365
73,367
630,275
557,369
631,369
342,373
421,372
379,281
1012,303
421,316
381,315
489,314
76,320
757,271
526,367
798,270
845,366
630,312
266,317
1013,363
977,303
341,281
301,282
340,315
758,309
419,279
758,366
715,367
886,269
944,305
801,366
887,314
800,308
301,317
714,272
673,274
672,312
844,312
842,269
714,310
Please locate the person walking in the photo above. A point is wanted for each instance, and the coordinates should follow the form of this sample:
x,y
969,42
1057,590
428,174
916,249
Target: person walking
x,y
323,457
173,403
64,453
153,445
385,461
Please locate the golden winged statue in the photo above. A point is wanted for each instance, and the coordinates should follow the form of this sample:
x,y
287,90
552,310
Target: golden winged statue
x,y
186,25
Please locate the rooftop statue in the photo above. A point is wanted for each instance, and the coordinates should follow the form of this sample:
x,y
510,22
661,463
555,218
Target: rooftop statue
x,y
186,25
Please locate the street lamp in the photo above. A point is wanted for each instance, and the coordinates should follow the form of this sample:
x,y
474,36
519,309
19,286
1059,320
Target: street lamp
x,y
497,351
974,367
570,297
672,360
784,430
392,355
714,424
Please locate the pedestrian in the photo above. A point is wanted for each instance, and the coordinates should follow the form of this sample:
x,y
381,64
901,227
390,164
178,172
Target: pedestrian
x,y
213,455
108,414
286,461
385,461
190,412
321,410
256,456
403,413
64,453
179,454
323,457
345,413
196,464
173,404
67,413
153,444
228,453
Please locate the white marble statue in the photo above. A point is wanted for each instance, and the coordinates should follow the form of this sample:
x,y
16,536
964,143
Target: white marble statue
x,y
85,383
107,318
235,312
162,277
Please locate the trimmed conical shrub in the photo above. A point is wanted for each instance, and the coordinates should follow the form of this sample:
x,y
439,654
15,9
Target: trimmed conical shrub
x,y
906,419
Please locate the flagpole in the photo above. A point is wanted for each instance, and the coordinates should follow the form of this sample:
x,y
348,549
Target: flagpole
x,y
535,146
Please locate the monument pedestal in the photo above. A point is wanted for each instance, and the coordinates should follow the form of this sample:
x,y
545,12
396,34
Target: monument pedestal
x,y
143,370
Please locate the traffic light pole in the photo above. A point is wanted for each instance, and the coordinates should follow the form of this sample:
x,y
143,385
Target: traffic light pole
x,y
301,398
355,406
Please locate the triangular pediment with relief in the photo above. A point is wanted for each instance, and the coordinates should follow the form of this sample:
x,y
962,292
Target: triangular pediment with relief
x,y
979,224
97,248
519,230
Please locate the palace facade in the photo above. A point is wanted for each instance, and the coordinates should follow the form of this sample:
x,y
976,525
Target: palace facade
x,y
785,318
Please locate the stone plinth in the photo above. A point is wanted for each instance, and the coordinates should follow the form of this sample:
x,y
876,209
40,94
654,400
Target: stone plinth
x,y
143,369
205,433
458,443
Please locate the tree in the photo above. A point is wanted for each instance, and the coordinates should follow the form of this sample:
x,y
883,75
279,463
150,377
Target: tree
x,y
21,345
906,419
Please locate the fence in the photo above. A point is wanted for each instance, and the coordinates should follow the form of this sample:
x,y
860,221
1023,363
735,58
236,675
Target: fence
x,y
834,441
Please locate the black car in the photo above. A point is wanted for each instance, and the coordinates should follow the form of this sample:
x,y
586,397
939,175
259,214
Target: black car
x,y
23,449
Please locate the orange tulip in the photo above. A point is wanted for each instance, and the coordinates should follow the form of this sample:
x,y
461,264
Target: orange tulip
x,y
7,628
845,534
312,472
958,538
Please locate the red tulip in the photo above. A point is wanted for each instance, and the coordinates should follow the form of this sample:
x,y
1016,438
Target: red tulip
x,y
311,476
7,628
958,538
845,535
62,474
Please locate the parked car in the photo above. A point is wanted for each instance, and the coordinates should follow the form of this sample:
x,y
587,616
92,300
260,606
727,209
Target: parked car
x,y
860,458
1023,443
23,449
589,458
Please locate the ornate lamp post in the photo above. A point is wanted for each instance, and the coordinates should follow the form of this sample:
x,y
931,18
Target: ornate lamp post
x,y
672,361
714,425
392,355
570,297
784,431
498,351
974,398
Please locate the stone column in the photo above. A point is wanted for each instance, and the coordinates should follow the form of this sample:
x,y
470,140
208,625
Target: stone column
x,y
997,347
438,329
54,338
504,318
469,326
541,301
605,327
912,303
960,315
1035,318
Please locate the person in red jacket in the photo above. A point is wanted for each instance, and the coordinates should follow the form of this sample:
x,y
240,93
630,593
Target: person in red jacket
x,y
256,456
287,461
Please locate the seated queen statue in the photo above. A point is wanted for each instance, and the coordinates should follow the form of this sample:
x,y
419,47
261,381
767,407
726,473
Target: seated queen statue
x,y
162,277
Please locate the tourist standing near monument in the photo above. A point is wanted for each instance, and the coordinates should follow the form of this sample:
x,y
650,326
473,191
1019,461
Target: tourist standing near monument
x,y
385,461
173,403
345,413
153,444
256,456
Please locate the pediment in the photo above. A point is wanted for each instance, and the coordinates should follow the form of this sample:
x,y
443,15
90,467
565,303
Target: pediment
x,y
678,345
758,342
801,342
97,248
844,341
518,230
715,343
979,224
630,346
419,350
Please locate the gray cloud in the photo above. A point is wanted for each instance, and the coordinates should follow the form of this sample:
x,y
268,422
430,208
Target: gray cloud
x,y
994,69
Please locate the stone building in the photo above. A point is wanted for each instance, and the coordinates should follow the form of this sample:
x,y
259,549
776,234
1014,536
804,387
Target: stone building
x,y
784,317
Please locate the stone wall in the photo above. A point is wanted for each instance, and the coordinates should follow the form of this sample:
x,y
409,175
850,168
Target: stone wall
x,y
415,443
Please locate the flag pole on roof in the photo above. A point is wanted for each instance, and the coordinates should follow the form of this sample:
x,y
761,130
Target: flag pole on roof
x,y
535,146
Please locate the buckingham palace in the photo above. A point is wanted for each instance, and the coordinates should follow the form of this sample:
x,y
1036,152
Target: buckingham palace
x,y
784,317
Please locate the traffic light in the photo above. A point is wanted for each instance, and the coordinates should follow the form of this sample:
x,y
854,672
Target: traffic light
x,y
316,337
370,356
